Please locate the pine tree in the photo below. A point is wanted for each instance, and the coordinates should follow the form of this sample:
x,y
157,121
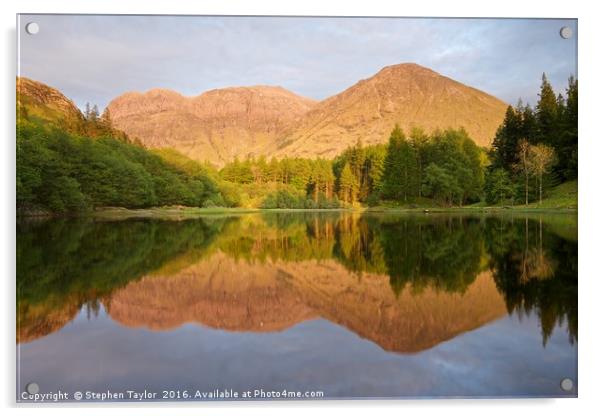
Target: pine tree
x,y
94,114
409,170
106,118
567,152
420,142
392,187
505,142
547,114
347,185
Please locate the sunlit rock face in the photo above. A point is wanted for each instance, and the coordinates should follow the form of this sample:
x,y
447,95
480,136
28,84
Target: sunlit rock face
x,y
223,293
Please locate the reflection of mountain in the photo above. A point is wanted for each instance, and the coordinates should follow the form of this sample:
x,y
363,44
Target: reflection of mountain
x,y
222,293
35,321
218,292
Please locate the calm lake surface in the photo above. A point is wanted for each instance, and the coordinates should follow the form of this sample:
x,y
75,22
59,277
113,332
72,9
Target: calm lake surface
x,y
347,304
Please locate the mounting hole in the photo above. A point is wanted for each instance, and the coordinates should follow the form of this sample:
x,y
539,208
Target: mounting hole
x,y
566,32
32,388
566,384
32,28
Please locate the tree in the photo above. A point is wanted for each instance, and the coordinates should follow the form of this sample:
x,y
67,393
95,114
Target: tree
x,y
420,142
105,119
542,158
87,112
94,114
441,184
273,172
524,165
567,149
400,173
375,165
547,113
348,185
392,188
505,142
498,186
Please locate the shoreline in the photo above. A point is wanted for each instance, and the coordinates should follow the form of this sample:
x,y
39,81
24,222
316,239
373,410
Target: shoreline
x,y
191,212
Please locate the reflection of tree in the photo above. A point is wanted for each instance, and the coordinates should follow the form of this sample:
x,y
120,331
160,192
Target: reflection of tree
x,y
64,264
358,247
440,252
536,271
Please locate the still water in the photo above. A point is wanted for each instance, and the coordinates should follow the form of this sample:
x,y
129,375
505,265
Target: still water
x,y
345,305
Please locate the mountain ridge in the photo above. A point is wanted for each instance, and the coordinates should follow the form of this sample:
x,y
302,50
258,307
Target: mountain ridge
x,y
217,125
406,94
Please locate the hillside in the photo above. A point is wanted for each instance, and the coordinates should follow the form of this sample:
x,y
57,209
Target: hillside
x,y
407,94
216,126
70,163
47,104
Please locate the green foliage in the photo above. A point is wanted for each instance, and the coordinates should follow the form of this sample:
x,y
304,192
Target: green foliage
x,y
348,185
400,176
553,122
61,172
499,187
367,166
287,199
441,184
446,165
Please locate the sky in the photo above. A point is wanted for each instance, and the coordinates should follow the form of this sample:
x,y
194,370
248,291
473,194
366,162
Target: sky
x,y
96,58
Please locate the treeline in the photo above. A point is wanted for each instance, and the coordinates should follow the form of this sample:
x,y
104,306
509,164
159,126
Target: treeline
x,y
305,183
446,166
535,148
63,172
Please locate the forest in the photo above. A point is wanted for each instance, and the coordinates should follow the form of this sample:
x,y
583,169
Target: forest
x,y
535,148
62,170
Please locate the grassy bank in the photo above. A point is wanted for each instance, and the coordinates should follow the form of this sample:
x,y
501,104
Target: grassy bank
x,y
562,198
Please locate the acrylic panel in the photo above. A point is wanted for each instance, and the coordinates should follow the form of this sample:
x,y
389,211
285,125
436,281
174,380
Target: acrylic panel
x,y
295,208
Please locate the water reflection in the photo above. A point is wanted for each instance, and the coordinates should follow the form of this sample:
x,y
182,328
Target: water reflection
x,y
406,283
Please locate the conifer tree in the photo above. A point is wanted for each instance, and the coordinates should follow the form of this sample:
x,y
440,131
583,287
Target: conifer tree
x,y
347,185
392,186
547,114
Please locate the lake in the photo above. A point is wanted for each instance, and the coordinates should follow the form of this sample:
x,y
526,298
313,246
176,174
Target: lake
x,y
319,304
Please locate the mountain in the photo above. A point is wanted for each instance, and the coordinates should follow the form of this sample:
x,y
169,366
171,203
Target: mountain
x,y
217,125
35,99
222,124
407,94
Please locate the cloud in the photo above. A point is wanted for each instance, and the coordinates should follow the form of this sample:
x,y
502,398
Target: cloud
x,y
96,58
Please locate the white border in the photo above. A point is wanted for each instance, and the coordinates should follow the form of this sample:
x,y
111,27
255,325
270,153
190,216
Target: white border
x,y
590,72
